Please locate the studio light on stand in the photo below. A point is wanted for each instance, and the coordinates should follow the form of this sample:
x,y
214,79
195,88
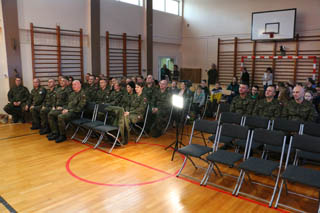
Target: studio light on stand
x,y
177,103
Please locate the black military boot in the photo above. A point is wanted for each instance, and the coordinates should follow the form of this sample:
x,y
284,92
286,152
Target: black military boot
x,y
53,137
44,131
61,138
34,127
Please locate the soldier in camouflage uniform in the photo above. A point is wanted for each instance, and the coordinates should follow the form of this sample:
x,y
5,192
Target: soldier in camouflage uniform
x,y
18,97
61,102
115,104
76,103
133,112
91,89
160,107
103,93
242,104
149,89
36,98
269,107
47,106
299,109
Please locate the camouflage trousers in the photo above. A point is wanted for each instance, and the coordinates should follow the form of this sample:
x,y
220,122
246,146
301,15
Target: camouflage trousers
x,y
58,121
125,121
17,112
35,112
44,112
158,121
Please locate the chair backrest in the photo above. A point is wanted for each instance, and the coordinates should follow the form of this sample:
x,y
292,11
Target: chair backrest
x,y
222,107
254,122
286,125
312,129
234,131
306,143
230,118
102,108
263,136
90,110
206,126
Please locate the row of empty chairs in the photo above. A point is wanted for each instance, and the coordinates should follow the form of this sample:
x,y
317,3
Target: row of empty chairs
x,y
290,139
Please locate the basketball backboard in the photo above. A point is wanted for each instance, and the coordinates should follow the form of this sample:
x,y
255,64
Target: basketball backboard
x,y
273,25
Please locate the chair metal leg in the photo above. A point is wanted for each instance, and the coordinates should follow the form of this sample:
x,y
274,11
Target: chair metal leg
x,y
274,189
99,141
220,173
204,179
183,164
87,136
195,166
238,181
115,141
279,194
241,181
75,132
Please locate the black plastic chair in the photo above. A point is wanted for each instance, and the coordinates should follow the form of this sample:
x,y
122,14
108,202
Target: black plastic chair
x,y
87,115
228,118
299,174
197,150
262,166
105,129
253,122
223,156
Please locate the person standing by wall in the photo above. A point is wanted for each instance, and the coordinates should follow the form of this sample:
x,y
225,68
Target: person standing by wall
x,y
245,78
267,79
213,75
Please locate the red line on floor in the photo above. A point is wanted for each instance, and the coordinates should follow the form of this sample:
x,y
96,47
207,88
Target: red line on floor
x,y
169,176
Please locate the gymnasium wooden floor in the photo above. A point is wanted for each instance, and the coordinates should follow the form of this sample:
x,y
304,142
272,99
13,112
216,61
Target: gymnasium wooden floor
x,y
38,175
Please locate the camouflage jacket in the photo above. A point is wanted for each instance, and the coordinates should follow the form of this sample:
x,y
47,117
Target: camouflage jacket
x,y
102,96
149,92
127,100
37,96
299,112
243,106
91,92
50,99
62,95
77,101
266,109
161,100
137,106
19,93
115,98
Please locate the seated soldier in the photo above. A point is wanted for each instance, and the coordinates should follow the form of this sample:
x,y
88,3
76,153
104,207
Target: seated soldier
x,y
133,111
269,107
91,90
255,93
160,108
47,106
242,104
149,89
299,109
60,103
76,102
103,92
18,97
36,98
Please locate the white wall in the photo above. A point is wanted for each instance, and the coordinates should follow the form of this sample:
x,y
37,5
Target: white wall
x,y
69,14
210,19
119,17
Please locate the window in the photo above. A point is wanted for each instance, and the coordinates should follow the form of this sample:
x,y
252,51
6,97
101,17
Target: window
x,y
168,6
172,6
135,2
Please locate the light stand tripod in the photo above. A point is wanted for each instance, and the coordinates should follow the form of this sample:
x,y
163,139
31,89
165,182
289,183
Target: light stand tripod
x,y
177,101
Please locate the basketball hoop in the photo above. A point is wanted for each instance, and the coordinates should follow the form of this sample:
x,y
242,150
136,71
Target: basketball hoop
x,y
271,34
